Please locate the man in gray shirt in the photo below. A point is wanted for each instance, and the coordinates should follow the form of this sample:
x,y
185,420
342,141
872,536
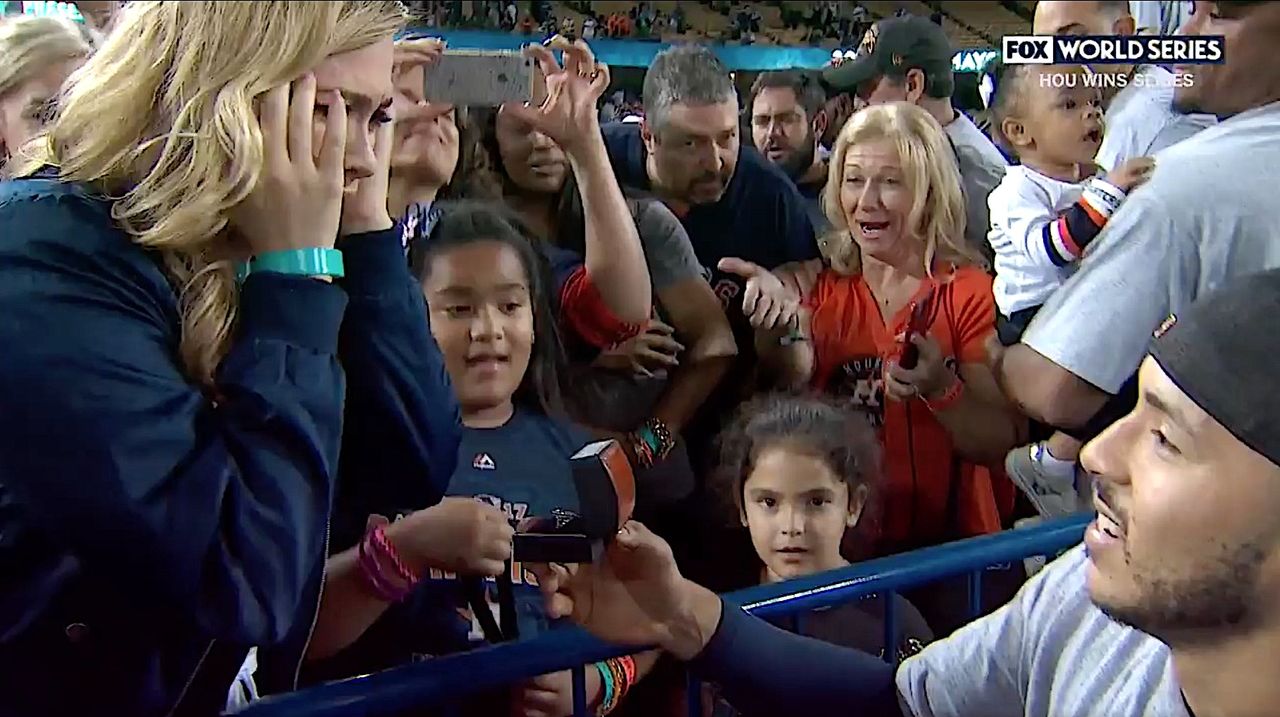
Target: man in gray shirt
x,y
908,59
1206,216
1171,609
1140,117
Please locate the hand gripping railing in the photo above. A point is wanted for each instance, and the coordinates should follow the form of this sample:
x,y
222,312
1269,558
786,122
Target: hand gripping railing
x,y
442,680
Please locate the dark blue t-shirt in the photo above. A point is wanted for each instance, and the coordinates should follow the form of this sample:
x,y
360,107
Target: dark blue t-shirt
x,y
523,468
812,193
761,218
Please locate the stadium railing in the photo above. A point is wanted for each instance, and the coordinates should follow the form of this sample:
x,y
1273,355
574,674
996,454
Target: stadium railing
x,y
442,681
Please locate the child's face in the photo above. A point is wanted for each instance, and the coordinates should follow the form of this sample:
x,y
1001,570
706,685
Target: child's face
x,y
482,319
1062,115
797,511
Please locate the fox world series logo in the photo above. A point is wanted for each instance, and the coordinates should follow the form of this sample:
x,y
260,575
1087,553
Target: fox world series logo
x,y
1113,50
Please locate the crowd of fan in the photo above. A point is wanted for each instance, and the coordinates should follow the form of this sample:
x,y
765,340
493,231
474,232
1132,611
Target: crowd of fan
x,y
851,330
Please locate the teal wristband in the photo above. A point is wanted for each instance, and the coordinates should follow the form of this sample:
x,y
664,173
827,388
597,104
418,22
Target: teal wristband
x,y
606,679
299,262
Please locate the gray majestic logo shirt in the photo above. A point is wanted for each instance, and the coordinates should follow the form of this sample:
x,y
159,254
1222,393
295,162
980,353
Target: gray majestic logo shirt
x,y
1048,653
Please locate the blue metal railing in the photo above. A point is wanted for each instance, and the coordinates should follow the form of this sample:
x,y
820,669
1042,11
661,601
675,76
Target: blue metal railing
x,y
443,680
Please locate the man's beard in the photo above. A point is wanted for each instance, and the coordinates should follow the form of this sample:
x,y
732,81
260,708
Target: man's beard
x,y
797,164
1220,597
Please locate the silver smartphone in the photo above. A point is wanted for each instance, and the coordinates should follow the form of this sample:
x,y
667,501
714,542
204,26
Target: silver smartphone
x,y
480,77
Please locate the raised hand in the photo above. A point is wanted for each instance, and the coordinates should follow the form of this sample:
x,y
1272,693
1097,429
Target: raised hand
x,y
568,115
767,303
296,202
459,535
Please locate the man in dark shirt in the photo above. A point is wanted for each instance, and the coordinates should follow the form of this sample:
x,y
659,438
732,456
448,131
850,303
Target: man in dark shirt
x,y
732,202
787,118
687,152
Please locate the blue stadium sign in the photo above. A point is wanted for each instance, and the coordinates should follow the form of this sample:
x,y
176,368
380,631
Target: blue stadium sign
x,y
972,60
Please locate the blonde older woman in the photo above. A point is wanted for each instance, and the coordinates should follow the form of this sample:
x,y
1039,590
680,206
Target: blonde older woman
x,y
898,251
202,300
39,54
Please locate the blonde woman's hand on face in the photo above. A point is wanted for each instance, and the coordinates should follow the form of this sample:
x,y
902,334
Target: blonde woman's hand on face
x,y
365,209
297,202
568,115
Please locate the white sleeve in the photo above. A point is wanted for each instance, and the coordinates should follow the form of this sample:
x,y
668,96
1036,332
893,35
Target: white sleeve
x,y
1142,267
1020,222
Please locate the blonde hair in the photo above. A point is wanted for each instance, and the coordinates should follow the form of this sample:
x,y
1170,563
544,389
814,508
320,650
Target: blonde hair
x,y
162,119
31,44
937,215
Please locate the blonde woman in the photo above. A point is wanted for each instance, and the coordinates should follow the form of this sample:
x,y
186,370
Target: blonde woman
x,y
893,196
202,299
39,53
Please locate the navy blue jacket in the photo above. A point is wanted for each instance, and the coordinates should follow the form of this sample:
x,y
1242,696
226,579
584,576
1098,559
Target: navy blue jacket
x,y
148,534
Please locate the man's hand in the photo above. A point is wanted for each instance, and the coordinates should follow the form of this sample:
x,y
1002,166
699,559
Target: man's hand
x,y
633,595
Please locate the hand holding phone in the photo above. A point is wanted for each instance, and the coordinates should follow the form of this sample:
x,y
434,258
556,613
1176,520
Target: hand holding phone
x,y
486,78
569,114
917,325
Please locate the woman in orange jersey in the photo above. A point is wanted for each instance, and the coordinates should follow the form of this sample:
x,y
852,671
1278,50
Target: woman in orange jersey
x,y
894,198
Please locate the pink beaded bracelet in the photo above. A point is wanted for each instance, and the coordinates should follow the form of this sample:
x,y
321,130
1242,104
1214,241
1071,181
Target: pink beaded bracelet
x,y
384,572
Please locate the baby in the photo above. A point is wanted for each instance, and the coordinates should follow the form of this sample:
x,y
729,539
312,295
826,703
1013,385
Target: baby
x,y
1044,213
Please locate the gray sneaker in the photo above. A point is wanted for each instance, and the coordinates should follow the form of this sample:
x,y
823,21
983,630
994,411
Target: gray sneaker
x,y
1052,496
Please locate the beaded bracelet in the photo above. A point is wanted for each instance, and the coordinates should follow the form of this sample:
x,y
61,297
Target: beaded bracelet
x,y
652,442
383,570
628,664
375,578
388,553
617,675
608,698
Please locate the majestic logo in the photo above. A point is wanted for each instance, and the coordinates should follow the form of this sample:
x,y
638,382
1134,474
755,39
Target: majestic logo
x,y
1165,326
